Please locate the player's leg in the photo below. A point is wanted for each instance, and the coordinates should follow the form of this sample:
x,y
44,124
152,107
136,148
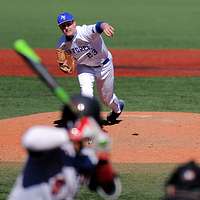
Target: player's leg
x,y
105,88
86,80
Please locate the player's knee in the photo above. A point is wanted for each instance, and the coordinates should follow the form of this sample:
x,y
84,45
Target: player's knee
x,y
107,100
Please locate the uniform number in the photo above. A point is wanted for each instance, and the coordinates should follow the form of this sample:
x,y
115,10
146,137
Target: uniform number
x,y
92,53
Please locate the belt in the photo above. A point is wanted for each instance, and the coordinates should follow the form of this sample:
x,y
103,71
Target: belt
x,y
106,61
103,63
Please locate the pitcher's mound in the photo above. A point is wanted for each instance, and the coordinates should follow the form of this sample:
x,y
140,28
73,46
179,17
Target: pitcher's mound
x,y
138,137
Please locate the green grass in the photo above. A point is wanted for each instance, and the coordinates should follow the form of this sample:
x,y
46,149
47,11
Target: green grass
x,y
22,96
138,23
8,174
139,181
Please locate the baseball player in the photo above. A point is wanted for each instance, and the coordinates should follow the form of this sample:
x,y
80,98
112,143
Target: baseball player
x,y
102,179
94,61
48,173
56,161
184,183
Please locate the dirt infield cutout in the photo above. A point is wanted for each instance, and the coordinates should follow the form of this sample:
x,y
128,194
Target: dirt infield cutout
x,y
139,137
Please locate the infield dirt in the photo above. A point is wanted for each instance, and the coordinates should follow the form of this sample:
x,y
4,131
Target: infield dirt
x,y
139,137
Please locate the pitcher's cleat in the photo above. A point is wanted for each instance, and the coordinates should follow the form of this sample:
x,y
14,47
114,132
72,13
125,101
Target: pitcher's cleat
x,y
112,116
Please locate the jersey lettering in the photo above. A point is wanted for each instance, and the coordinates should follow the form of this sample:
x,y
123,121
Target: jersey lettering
x,y
92,52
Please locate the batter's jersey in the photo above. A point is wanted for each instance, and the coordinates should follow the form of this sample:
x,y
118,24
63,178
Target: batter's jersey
x,y
49,177
87,46
62,186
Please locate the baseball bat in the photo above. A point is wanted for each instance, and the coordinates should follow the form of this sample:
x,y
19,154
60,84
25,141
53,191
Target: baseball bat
x,y
34,61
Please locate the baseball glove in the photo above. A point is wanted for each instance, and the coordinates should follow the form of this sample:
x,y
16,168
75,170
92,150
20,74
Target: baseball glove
x,y
66,61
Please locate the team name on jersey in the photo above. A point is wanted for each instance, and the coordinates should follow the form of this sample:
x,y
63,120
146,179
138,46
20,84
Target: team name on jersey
x,y
80,49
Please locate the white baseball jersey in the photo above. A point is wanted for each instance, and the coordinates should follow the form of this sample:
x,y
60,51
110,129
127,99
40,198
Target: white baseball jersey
x,y
87,46
62,186
94,63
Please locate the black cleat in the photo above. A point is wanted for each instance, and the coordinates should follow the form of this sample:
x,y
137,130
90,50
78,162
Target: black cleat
x,y
112,116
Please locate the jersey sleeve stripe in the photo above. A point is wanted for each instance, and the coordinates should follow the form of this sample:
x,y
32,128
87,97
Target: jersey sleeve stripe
x,y
98,27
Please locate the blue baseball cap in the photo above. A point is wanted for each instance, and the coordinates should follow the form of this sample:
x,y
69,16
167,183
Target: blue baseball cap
x,y
64,17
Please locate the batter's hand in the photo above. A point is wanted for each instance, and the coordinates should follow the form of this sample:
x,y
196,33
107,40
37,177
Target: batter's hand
x,y
108,29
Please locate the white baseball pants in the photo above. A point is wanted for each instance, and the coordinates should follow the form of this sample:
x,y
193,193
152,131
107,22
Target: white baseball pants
x,y
104,78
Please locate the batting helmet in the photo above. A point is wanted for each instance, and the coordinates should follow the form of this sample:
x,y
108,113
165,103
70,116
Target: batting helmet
x,y
81,106
184,183
186,176
86,106
64,17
